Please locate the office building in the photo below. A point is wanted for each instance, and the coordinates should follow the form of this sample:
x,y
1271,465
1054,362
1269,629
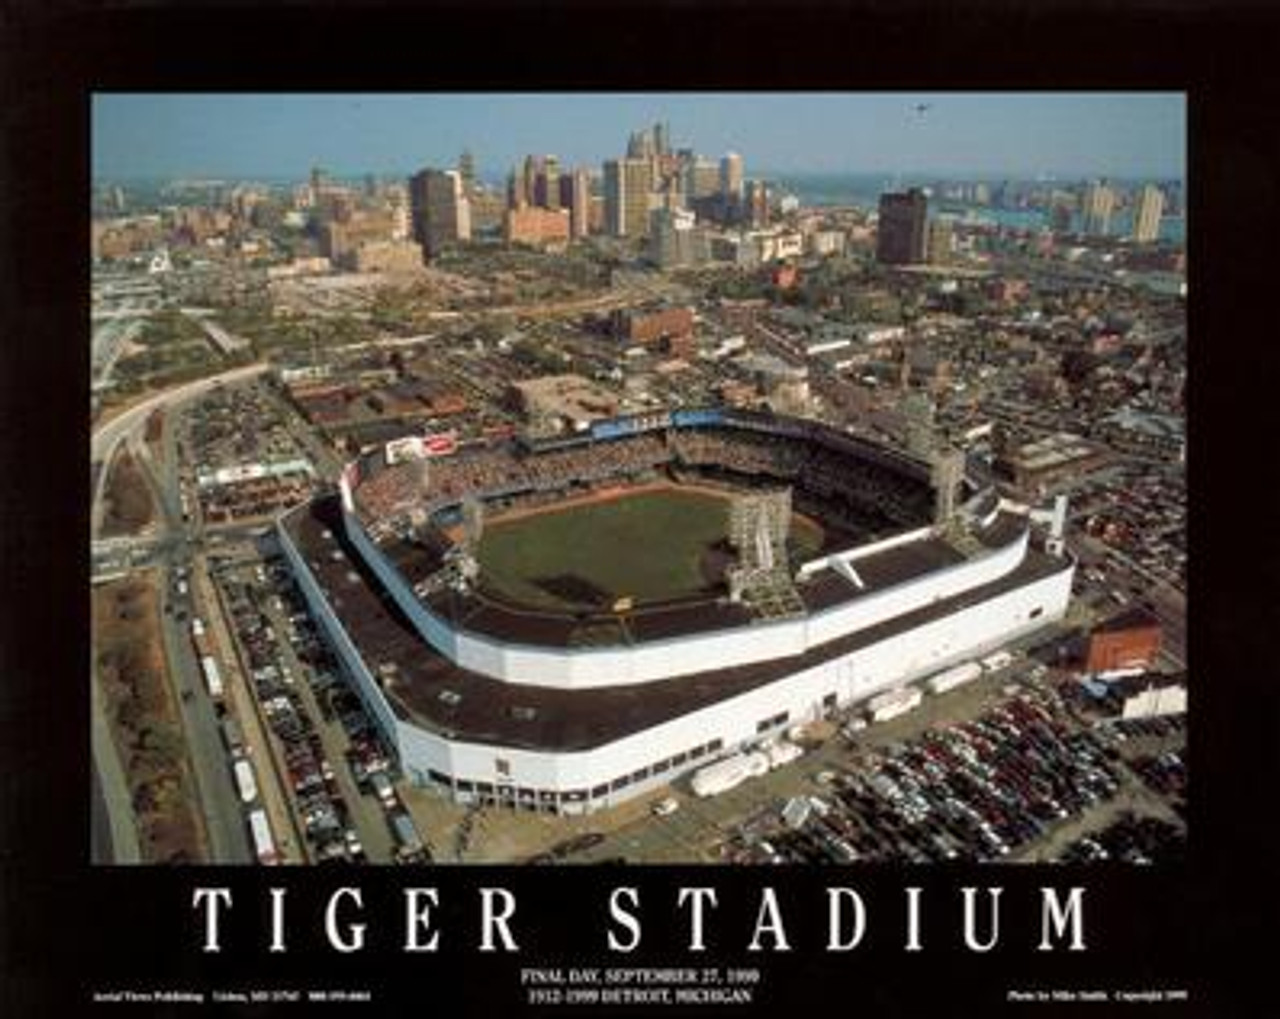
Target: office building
x,y
628,184
547,184
575,196
701,179
756,206
941,241
529,181
901,236
1099,201
441,212
1146,214
467,170
731,179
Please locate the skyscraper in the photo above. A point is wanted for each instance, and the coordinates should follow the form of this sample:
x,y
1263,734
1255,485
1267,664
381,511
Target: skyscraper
x,y
757,203
1146,214
640,145
529,180
662,138
575,195
901,235
702,178
731,181
548,183
467,170
441,212
940,241
1099,201
627,186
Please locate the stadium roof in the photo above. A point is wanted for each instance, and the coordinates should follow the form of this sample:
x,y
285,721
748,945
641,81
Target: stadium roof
x,y
427,688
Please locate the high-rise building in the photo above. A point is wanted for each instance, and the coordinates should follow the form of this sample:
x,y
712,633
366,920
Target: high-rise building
x,y
575,195
640,145
547,193
628,184
1146,214
901,235
441,212
702,179
662,138
529,180
731,180
757,204
467,170
940,241
1099,201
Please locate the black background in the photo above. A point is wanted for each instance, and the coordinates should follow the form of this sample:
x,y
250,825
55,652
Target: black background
x,y
67,928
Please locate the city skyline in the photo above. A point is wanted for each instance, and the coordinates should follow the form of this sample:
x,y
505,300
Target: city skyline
x,y
1063,135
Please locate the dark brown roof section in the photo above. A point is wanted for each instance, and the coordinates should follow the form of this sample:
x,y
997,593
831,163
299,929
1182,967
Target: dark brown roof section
x,y
433,692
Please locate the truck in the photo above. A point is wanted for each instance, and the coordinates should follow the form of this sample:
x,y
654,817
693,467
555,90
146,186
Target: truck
x,y
246,784
264,845
233,736
893,703
951,678
385,790
728,772
996,662
781,752
212,677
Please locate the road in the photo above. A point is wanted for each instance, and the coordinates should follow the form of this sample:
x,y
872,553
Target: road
x,y
110,791
215,787
106,437
112,802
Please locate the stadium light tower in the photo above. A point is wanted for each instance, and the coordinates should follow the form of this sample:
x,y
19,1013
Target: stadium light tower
x,y
948,471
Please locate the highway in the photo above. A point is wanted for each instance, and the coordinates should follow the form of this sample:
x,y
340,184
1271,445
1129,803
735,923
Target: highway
x,y
107,436
110,793
215,787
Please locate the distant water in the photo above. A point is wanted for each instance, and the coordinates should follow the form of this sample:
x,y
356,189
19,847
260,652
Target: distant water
x,y
864,190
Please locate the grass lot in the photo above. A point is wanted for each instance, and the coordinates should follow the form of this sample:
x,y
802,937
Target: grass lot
x,y
144,721
129,506
649,546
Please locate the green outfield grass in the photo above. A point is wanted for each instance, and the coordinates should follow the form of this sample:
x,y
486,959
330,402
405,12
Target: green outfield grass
x,y
647,546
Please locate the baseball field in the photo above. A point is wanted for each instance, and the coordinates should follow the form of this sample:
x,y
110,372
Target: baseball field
x,y
650,546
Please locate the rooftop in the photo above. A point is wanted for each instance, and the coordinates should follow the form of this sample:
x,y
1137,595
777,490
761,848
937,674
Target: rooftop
x,y
425,687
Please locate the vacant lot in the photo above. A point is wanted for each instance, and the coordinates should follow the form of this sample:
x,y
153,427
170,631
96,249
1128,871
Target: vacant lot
x,y
650,546
128,507
144,721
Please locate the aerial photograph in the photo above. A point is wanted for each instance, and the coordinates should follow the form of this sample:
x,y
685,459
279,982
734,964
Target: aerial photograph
x,y
671,478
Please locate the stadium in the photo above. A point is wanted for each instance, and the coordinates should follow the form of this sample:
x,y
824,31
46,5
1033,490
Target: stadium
x,y
561,624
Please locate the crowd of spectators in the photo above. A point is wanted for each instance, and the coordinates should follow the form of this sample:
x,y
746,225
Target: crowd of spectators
x,y
858,492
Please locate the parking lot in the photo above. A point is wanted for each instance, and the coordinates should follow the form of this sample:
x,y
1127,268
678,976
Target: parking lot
x,y
1001,769
328,751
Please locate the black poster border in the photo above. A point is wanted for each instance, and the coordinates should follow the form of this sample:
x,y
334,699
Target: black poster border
x,y
67,928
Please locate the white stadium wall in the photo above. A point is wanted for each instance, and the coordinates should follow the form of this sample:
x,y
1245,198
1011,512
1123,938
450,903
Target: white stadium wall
x,y
624,768
663,659
735,721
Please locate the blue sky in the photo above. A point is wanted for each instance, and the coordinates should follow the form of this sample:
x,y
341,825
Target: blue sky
x,y
279,135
